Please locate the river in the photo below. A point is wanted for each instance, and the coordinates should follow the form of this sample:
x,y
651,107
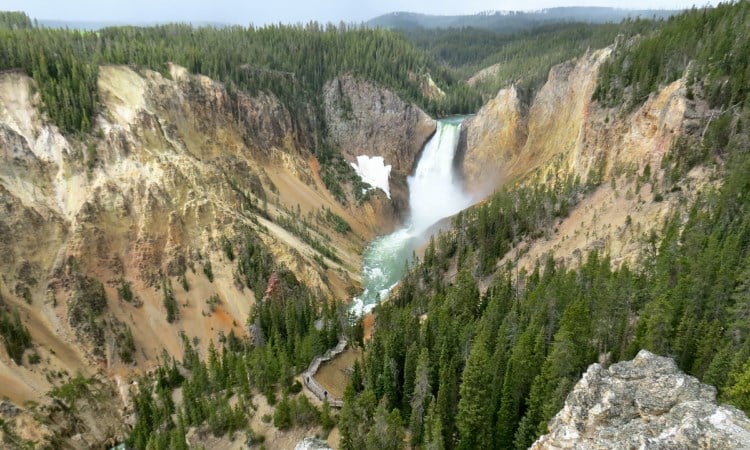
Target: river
x,y
434,193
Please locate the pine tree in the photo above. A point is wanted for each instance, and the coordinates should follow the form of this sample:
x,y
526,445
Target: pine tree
x,y
433,429
410,367
282,417
326,420
474,419
447,402
420,398
739,390
387,432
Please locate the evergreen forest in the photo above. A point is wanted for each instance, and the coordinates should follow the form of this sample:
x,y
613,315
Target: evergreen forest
x,y
293,62
448,367
464,370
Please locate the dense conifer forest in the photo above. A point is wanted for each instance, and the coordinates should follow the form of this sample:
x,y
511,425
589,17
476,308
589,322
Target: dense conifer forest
x,y
465,370
523,58
446,366
293,62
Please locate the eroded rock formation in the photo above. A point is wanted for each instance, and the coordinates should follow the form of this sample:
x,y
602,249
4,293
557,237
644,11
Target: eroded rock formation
x,y
364,119
646,403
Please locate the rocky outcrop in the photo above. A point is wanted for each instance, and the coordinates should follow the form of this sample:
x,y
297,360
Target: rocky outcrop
x,y
645,403
505,141
564,131
483,75
364,119
312,443
176,171
265,122
616,153
93,420
427,86
490,140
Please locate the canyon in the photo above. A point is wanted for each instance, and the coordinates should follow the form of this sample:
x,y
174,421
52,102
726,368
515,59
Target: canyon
x,y
177,171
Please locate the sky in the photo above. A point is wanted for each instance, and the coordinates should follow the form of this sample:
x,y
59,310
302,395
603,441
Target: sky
x,y
261,12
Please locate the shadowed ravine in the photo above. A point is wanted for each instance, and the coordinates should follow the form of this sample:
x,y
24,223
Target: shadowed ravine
x,y
434,193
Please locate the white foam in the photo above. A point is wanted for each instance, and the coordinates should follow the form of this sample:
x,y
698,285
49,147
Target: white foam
x,y
374,172
434,193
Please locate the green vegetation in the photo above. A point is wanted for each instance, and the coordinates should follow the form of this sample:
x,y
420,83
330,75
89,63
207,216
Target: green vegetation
x,y
125,344
170,302
298,224
471,370
339,224
15,335
711,45
14,20
285,60
523,58
86,307
89,299
255,264
292,412
336,172
510,22
284,340
208,270
75,389
125,291
499,365
493,227
213,302
228,250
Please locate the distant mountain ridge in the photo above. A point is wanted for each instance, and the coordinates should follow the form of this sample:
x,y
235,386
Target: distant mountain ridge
x,y
95,25
514,21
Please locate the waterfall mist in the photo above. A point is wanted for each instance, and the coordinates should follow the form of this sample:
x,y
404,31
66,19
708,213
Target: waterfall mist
x,y
434,193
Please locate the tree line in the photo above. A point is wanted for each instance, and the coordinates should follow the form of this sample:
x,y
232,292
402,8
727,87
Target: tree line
x,y
462,369
710,45
293,62
522,58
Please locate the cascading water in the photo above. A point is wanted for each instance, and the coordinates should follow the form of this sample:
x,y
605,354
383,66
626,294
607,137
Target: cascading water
x,y
433,195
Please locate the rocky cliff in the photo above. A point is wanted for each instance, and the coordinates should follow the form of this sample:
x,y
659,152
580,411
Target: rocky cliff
x,y
177,178
616,153
564,130
505,140
645,403
364,119
490,140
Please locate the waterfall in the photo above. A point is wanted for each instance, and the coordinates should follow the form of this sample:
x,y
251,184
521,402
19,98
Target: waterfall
x,y
434,193
433,190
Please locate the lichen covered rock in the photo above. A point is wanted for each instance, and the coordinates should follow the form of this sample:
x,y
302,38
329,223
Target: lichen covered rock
x,y
646,403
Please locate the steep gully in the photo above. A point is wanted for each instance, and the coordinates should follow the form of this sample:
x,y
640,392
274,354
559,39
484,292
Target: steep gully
x,y
434,193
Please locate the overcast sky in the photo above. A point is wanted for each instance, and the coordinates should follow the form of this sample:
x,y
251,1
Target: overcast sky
x,y
290,11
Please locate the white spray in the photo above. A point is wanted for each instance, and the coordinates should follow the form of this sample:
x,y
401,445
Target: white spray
x,y
433,190
434,194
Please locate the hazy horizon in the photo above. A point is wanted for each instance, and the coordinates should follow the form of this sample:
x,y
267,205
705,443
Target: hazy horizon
x,y
290,11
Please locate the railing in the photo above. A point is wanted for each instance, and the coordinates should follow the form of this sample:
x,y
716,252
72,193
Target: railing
x,y
308,376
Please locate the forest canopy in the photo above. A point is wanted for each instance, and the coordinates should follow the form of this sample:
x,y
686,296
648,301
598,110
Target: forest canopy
x,y
466,369
293,62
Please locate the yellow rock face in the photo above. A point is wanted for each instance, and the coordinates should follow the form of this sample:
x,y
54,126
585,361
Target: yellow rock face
x,y
563,132
173,168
